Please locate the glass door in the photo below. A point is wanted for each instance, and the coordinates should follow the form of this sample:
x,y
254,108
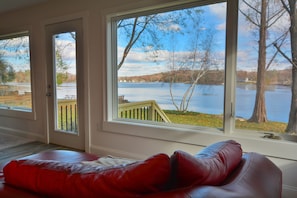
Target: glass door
x,y
65,101
65,84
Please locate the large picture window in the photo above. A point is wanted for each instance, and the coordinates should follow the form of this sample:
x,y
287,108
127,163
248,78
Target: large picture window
x,y
170,66
15,73
204,65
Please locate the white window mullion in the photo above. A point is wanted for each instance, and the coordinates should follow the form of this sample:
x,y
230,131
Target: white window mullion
x,y
230,67
111,72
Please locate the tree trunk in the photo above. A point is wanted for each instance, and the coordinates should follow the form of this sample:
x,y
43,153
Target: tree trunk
x,y
259,113
292,124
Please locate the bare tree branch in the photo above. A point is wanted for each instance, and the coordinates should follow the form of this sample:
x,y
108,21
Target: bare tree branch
x,y
134,37
275,17
284,55
285,6
250,6
282,38
249,18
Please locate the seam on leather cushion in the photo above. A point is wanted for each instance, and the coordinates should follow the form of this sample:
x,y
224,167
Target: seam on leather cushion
x,y
58,179
211,166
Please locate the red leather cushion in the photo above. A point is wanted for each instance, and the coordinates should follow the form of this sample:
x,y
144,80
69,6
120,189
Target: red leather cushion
x,y
211,166
58,179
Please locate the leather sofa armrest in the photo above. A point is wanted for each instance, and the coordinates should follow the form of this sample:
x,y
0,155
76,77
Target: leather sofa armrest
x,y
256,176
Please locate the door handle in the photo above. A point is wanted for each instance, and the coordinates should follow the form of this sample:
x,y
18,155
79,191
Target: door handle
x,y
48,94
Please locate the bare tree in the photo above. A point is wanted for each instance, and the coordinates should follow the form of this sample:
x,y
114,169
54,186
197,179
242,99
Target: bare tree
x,y
196,62
7,73
62,65
290,7
134,29
262,15
147,31
18,45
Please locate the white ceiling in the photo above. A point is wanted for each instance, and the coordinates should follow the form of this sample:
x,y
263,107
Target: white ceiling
x,y
8,5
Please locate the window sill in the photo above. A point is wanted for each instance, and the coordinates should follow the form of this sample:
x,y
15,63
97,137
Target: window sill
x,y
251,142
29,115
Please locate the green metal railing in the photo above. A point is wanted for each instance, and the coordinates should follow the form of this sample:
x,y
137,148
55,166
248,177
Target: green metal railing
x,y
145,110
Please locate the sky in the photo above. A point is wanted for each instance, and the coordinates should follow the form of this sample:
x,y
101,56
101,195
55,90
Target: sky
x,y
139,63
15,51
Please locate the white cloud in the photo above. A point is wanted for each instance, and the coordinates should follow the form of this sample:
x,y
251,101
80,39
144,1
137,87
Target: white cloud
x,y
143,63
174,27
67,49
221,26
140,63
219,10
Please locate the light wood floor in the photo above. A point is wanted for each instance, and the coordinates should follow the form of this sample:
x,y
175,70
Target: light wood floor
x,y
26,149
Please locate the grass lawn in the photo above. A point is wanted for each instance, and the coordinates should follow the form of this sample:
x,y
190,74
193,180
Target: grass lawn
x,y
216,121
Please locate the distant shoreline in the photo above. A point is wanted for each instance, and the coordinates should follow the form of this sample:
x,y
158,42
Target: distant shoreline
x,y
215,77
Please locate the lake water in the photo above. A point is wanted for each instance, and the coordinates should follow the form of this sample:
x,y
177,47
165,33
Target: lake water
x,y
206,98
210,98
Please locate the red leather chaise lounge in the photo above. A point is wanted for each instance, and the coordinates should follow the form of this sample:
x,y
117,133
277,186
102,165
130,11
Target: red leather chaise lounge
x,y
219,170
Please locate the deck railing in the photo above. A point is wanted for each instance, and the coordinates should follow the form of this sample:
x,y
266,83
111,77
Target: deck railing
x,y
67,117
145,110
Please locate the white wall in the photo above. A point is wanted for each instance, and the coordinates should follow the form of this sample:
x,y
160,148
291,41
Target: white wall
x,y
100,141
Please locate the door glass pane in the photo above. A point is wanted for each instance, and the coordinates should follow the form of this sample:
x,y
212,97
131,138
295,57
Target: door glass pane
x,y
65,96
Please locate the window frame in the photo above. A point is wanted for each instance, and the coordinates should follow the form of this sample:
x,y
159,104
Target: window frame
x,y
16,113
192,135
